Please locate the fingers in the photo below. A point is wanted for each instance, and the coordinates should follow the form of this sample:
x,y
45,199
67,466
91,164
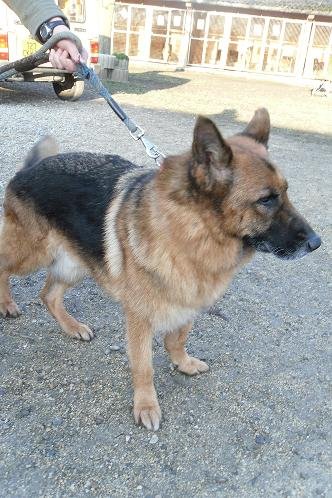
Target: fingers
x,y
84,56
65,55
53,58
61,59
70,48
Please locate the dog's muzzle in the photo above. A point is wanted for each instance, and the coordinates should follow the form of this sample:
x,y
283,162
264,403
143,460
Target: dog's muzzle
x,y
295,248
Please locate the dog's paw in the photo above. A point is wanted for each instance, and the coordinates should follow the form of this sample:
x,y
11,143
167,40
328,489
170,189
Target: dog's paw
x,y
9,309
148,414
193,366
80,331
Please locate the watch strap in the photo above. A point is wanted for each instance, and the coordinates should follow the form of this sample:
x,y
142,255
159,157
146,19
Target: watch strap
x,y
51,25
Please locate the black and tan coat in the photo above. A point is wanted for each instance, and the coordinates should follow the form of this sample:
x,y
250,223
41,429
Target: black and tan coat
x,y
164,242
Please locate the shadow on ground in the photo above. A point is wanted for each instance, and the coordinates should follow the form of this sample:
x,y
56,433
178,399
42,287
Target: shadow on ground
x,y
139,84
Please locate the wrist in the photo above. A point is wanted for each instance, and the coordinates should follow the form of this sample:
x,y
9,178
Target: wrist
x,y
57,18
60,28
48,28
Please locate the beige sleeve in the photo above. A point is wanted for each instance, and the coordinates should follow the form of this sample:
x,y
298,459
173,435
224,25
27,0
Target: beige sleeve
x,y
34,12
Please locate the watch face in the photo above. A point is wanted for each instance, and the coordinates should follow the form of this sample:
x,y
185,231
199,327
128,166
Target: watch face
x,y
44,31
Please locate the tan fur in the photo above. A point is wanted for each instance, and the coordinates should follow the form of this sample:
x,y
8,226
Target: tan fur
x,y
52,296
166,260
23,240
28,243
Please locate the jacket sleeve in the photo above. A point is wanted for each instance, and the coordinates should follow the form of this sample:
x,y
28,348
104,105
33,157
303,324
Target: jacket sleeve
x,y
33,13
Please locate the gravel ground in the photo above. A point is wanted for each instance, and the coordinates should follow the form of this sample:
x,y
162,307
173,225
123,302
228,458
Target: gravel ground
x,y
258,424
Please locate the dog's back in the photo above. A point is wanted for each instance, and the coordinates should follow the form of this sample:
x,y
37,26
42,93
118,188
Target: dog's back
x,y
72,192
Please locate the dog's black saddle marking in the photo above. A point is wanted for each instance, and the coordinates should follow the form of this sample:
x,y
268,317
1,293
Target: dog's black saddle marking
x,y
73,191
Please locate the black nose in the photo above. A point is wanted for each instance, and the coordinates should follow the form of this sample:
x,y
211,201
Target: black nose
x,y
314,242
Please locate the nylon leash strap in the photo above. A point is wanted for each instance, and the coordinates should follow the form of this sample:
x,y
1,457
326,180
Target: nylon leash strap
x,y
136,132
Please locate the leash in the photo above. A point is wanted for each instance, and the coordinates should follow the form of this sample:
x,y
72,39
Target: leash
x,y
37,58
136,132
86,73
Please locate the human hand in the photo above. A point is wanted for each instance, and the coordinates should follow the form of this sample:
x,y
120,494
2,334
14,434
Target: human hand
x,y
65,54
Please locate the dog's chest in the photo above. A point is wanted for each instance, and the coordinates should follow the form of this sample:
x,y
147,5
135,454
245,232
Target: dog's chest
x,y
172,318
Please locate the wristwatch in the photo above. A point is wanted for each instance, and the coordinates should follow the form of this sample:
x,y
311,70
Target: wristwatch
x,y
45,30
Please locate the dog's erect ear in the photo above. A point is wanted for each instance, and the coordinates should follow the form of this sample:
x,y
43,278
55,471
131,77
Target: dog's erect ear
x,y
212,156
209,147
45,147
259,127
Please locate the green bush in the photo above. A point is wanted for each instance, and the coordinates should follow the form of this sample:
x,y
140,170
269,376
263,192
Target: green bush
x,y
121,56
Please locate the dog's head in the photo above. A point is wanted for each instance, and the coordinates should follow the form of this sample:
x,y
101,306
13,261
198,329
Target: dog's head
x,y
247,194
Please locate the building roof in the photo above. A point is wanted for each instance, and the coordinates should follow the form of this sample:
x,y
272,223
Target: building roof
x,y
303,6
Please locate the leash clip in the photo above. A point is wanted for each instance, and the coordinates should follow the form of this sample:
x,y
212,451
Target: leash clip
x,y
151,150
138,133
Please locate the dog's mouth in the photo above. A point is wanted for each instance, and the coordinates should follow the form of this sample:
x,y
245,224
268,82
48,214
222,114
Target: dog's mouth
x,y
295,250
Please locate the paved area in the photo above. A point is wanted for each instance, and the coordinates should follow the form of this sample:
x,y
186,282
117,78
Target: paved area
x,y
259,423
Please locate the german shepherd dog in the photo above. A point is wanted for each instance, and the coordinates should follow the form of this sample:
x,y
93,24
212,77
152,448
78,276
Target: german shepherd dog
x,y
165,242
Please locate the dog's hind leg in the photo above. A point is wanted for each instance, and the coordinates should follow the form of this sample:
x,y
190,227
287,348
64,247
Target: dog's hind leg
x,y
23,247
9,262
65,272
8,307
175,345
52,296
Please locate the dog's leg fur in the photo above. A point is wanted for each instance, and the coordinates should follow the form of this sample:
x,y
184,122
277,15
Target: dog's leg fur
x,y
52,296
146,406
8,307
8,260
175,345
22,248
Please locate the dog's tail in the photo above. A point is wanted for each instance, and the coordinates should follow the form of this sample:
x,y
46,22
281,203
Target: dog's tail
x,y
45,147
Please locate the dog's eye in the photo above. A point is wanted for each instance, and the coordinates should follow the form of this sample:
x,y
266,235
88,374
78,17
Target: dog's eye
x,y
268,201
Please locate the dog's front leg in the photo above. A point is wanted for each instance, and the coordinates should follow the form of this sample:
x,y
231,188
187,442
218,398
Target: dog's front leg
x,y
139,336
175,345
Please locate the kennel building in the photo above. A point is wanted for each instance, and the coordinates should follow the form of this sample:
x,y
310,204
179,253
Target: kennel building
x,y
289,38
